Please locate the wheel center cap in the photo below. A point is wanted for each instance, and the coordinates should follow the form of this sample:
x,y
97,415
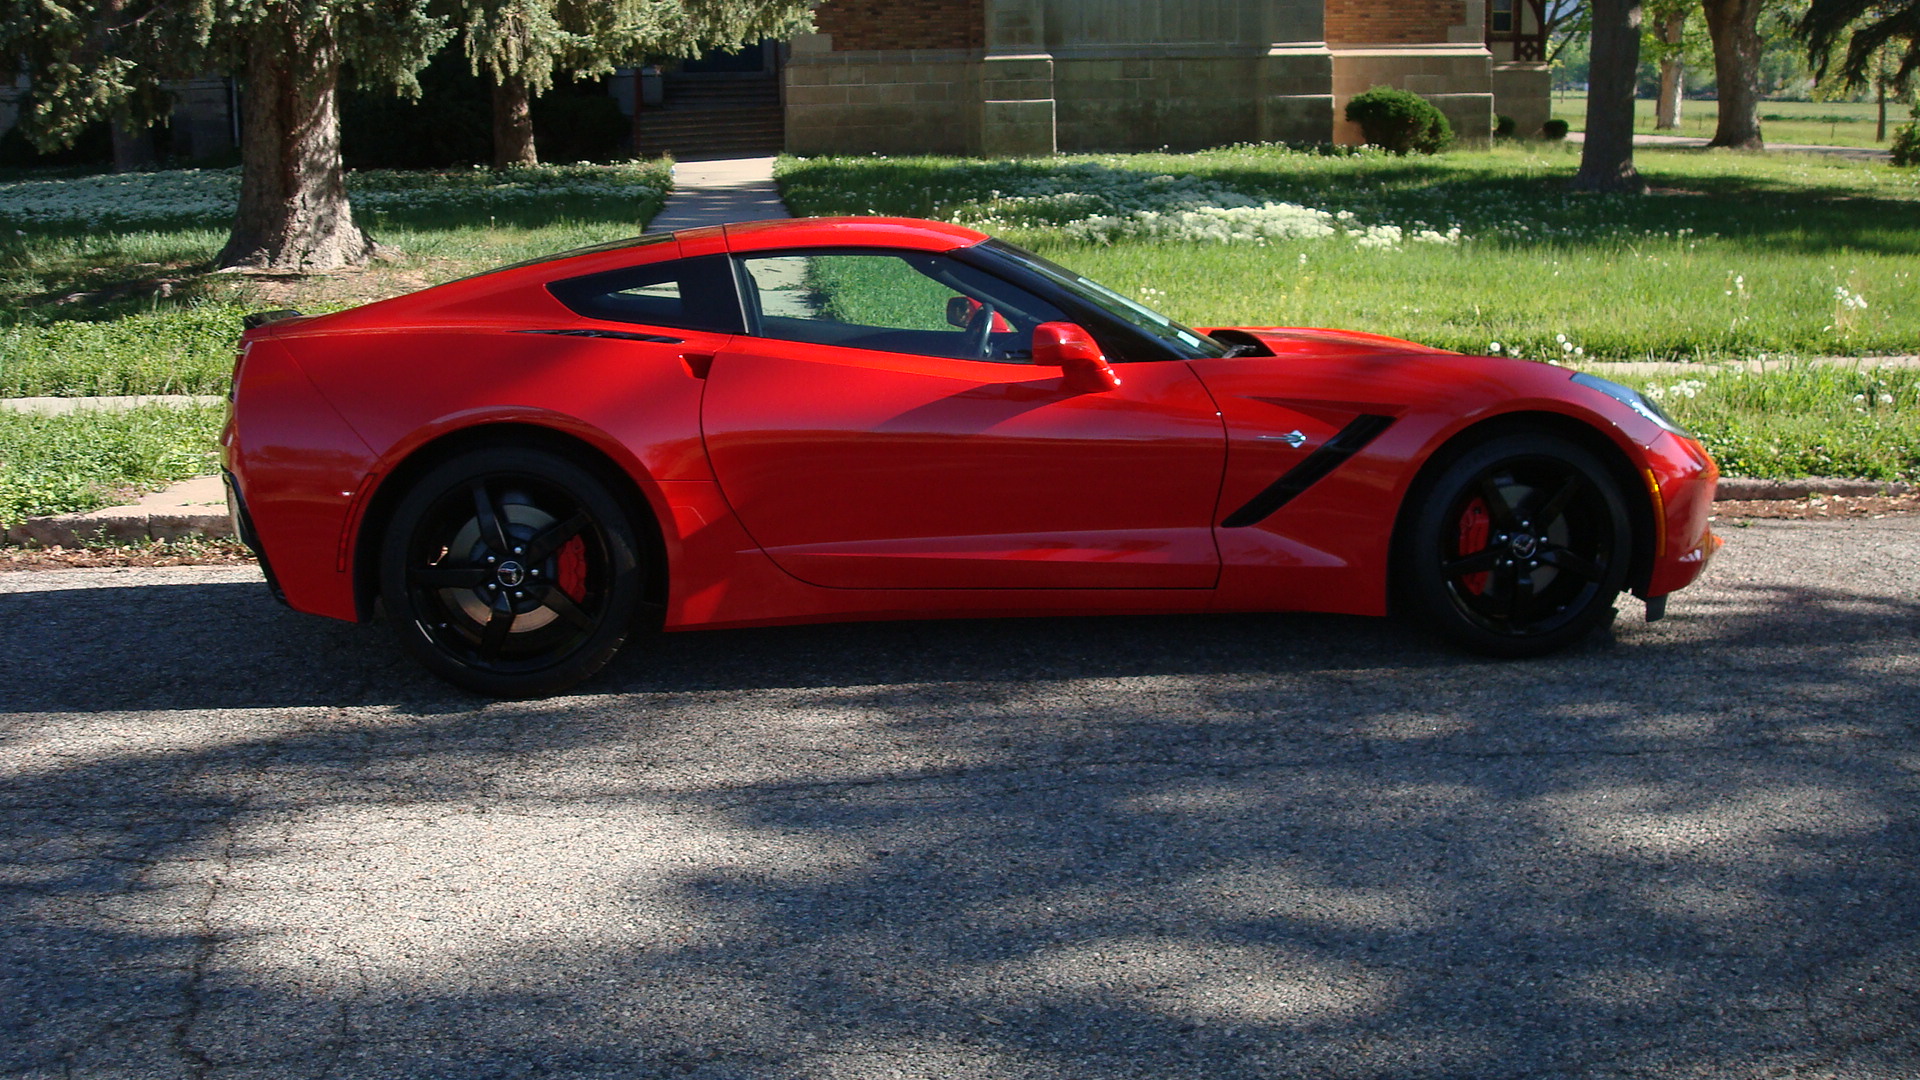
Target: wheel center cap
x,y
511,574
1524,546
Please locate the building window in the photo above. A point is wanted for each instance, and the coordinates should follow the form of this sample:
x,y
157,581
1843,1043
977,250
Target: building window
x,y
1502,17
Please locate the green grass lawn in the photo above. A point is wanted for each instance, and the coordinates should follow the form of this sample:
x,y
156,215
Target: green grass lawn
x,y
1735,257
105,289
1808,123
104,282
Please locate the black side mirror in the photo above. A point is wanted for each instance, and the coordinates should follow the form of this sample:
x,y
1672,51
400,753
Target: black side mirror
x,y
960,310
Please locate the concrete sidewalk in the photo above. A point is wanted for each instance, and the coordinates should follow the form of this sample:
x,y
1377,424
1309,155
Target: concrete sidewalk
x,y
1689,142
718,193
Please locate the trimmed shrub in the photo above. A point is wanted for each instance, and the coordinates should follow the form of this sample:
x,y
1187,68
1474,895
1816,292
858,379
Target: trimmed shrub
x,y
1400,121
1553,130
1905,146
1505,126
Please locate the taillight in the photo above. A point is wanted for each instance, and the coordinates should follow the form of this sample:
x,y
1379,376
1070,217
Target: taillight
x,y
239,360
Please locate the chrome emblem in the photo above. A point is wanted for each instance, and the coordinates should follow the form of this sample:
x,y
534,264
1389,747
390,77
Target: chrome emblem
x,y
1524,546
1292,438
511,574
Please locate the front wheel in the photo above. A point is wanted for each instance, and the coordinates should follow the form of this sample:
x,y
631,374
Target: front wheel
x,y
511,572
1519,547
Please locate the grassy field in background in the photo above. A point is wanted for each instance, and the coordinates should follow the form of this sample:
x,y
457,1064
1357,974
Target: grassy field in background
x,y
1736,257
1808,123
1733,257
104,286
105,289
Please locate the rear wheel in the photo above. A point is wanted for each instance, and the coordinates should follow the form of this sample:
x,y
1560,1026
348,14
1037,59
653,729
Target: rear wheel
x,y
1519,547
511,572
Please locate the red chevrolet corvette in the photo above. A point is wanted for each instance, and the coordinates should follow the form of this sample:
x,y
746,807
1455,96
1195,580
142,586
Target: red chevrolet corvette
x,y
860,418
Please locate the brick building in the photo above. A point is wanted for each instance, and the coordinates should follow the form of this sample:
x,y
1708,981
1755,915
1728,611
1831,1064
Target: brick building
x,y
1038,76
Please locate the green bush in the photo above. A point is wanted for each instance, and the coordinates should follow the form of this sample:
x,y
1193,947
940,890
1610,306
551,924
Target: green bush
x,y
1906,144
1505,126
1554,130
1400,121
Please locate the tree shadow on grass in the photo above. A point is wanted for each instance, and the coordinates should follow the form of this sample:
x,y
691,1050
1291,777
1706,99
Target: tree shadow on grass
x,y
1283,846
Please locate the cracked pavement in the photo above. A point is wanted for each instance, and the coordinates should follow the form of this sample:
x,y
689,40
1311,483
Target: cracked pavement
x,y
241,842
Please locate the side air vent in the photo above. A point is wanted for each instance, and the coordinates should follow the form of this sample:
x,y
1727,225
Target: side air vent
x,y
258,319
1331,454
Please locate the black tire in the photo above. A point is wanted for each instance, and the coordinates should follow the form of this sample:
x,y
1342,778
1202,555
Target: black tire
x,y
1518,547
511,572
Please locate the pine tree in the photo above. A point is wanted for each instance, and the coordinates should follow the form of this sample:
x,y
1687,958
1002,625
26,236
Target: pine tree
x,y
521,44
99,59
1869,30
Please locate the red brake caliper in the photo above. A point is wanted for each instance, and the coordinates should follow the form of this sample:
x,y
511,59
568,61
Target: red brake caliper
x,y
571,571
1473,537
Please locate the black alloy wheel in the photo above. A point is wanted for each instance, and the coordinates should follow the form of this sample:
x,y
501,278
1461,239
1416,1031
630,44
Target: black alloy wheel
x,y
1519,547
511,572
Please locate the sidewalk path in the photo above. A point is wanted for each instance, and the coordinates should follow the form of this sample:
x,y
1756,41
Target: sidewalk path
x,y
1689,142
719,192
60,406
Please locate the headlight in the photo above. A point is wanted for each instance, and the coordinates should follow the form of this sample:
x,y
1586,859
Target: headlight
x,y
1632,399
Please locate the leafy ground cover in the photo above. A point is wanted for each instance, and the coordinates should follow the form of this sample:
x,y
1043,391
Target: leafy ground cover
x,y
78,461
1734,258
1807,123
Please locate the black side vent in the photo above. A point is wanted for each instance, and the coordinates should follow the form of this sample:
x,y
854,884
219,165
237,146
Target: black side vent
x,y
1345,443
618,335
257,319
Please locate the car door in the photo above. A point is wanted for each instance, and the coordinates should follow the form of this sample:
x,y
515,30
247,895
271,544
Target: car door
x,y
881,426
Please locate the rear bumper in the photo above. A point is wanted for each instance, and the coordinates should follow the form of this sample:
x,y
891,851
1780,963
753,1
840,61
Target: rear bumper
x,y
243,527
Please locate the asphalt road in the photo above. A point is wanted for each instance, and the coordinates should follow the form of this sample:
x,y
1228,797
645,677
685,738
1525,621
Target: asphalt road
x,y
243,842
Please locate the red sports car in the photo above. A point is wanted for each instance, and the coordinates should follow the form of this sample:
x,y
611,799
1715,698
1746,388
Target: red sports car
x,y
867,418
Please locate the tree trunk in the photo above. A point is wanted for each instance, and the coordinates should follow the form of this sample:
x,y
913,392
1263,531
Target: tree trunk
x,y
1673,74
1735,28
293,211
1880,130
1606,161
513,124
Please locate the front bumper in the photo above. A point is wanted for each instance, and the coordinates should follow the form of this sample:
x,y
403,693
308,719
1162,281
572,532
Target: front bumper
x,y
1680,479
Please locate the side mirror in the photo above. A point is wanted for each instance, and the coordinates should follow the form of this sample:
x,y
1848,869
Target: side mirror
x,y
1076,354
960,310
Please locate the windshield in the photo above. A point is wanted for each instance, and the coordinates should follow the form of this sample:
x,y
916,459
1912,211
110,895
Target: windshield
x,y
1189,343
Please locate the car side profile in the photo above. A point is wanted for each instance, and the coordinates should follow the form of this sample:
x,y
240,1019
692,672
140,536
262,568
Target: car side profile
x,y
873,418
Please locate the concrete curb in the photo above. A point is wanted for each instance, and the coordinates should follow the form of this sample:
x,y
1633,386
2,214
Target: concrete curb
x,y
1742,489
176,514
193,509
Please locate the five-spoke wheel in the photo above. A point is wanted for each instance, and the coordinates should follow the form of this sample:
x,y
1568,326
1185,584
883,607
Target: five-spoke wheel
x,y
1518,547
511,572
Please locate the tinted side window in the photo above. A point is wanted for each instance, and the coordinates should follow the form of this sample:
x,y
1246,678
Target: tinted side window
x,y
696,294
924,304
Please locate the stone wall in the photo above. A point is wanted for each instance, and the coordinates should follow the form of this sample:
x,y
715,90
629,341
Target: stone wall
x,y
1457,78
1010,77
1524,92
918,101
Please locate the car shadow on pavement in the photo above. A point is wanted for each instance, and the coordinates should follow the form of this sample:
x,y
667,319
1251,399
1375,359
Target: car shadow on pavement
x,y
244,842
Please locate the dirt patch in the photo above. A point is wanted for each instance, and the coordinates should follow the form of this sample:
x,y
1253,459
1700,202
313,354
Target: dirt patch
x,y
1819,506
166,553
352,286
